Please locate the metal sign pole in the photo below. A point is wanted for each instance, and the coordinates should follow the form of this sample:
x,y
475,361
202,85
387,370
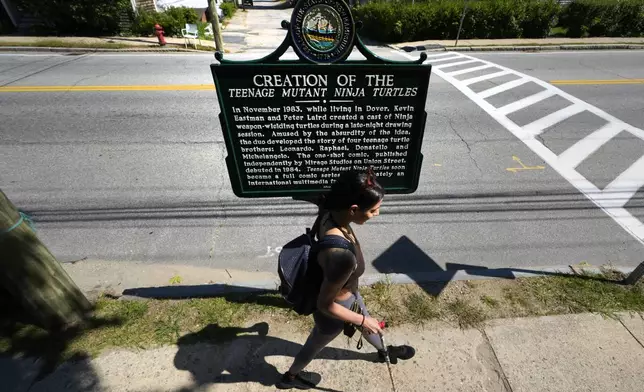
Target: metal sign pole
x,y
636,275
460,26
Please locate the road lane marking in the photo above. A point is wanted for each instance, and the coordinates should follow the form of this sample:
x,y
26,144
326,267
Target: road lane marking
x,y
167,87
629,182
481,78
435,56
612,198
503,87
584,148
432,61
538,126
523,166
443,66
468,70
525,102
597,82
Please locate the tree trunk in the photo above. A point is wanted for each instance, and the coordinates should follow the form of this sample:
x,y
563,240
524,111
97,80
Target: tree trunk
x,y
33,277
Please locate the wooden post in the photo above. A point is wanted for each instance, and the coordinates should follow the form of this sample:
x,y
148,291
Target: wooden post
x,y
33,277
214,18
635,275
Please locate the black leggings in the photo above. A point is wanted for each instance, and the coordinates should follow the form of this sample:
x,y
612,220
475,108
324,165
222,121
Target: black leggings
x,y
325,330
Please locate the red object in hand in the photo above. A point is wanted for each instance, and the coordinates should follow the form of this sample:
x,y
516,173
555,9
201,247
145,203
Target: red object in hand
x,y
158,31
382,325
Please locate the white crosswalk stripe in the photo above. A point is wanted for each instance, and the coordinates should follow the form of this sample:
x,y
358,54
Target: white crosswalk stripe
x,y
581,150
432,61
442,54
616,194
443,66
469,70
481,78
628,182
503,87
538,126
525,102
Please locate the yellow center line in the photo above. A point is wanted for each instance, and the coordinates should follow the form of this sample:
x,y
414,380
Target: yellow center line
x,y
167,87
597,81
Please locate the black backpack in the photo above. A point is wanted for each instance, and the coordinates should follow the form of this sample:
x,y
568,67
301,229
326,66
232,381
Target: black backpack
x,y
300,274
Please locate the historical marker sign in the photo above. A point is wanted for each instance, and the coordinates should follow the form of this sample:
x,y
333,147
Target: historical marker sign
x,y
323,30
292,127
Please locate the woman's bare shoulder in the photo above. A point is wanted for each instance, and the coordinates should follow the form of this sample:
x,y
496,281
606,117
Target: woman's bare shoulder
x,y
337,263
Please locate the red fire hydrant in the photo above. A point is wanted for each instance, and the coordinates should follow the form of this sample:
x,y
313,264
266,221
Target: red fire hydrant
x,y
158,31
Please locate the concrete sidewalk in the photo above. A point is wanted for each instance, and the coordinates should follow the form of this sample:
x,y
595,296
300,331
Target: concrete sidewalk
x,y
524,44
127,43
549,354
142,279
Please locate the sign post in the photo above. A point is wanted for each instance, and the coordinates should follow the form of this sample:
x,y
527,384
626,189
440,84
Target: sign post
x,y
292,126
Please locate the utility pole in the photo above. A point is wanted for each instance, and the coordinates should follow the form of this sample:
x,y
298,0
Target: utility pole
x,y
32,277
214,18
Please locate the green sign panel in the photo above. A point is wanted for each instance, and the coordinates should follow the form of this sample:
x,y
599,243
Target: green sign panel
x,y
291,127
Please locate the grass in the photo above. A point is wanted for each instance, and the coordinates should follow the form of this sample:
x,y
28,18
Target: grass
x,y
558,32
489,301
465,314
421,307
467,304
141,323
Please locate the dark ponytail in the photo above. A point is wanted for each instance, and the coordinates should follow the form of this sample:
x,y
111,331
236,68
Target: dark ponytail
x,y
352,188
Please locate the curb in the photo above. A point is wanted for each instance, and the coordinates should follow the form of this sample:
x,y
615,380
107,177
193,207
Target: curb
x,y
517,48
271,286
96,50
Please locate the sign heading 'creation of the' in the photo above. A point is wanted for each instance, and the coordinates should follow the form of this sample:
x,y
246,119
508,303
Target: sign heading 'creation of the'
x,y
291,127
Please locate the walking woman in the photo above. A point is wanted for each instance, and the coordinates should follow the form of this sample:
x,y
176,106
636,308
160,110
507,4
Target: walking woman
x,y
354,198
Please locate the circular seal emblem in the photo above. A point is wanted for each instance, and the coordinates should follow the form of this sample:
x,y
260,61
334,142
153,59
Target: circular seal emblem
x,y
323,31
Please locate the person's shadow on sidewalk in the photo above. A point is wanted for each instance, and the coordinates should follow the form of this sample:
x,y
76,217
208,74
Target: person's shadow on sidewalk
x,y
226,355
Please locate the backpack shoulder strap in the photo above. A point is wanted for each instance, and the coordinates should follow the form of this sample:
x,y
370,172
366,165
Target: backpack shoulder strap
x,y
313,230
335,241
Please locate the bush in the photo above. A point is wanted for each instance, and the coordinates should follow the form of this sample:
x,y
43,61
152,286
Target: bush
x,y
201,27
6,26
228,9
172,20
495,19
439,19
77,17
614,18
540,18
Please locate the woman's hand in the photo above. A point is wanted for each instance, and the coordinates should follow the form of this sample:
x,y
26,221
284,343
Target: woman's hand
x,y
371,326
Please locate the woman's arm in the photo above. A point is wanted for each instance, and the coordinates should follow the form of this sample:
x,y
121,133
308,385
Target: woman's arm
x,y
338,265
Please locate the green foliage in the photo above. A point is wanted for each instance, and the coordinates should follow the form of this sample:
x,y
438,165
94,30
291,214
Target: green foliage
x,y
201,28
228,9
77,17
613,18
540,18
172,20
396,21
6,26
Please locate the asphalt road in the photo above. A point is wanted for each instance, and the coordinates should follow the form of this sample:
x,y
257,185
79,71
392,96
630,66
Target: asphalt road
x,y
139,175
